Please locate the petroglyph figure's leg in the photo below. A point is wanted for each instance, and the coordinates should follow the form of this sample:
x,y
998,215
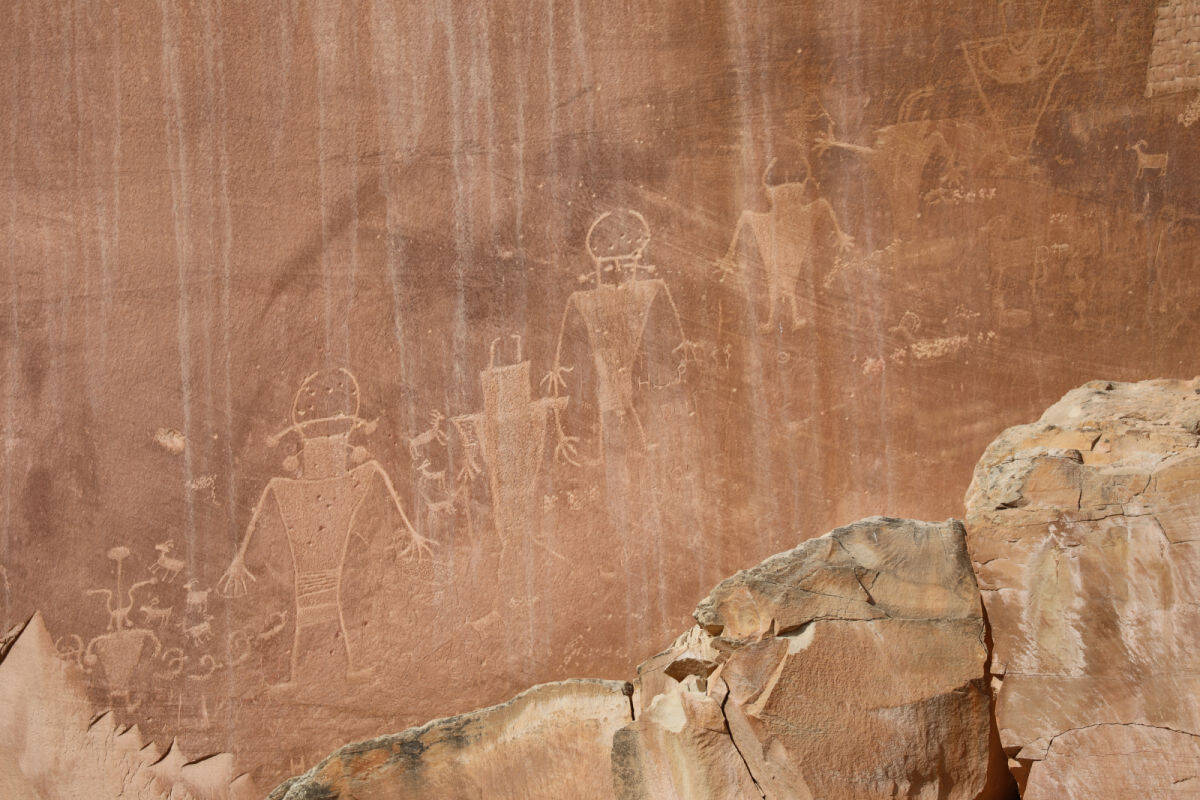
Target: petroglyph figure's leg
x,y
799,320
759,223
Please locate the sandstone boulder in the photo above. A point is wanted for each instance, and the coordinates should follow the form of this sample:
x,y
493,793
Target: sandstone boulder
x,y
1084,530
551,741
850,667
853,666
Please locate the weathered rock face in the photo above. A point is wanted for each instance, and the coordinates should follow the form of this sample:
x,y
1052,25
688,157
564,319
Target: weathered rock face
x,y
53,747
850,667
1084,530
550,742
875,232
1118,761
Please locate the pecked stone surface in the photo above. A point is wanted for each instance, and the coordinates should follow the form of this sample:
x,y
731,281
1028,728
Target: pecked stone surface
x,y
1084,531
551,741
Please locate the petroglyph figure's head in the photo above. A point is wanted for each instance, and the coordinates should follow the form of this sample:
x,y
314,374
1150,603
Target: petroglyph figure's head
x,y
324,414
793,173
326,404
617,240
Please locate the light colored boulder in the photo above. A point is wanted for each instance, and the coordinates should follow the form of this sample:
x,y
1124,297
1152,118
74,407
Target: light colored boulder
x,y
552,741
1084,530
850,667
681,748
1115,761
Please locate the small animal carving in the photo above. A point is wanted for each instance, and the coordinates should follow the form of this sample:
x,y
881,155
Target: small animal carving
x,y
208,666
433,433
196,600
155,614
437,477
1145,161
200,632
166,567
275,625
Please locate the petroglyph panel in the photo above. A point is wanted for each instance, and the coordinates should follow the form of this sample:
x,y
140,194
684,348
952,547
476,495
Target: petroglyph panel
x,y
362,361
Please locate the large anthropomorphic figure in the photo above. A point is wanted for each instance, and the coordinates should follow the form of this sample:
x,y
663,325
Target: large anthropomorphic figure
x,y
319,509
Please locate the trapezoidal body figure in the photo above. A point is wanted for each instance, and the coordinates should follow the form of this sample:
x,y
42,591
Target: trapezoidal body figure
x,y
319,510
787,240
622,348
509,435
615,312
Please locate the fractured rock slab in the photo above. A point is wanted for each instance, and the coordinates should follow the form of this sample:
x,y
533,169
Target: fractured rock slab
x,y
551,741
1084,529
51,748
850,667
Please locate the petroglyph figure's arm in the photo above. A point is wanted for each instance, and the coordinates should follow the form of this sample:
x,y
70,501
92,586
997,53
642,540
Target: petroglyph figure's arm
x,y
824,142
108,597
725,266
233,582
687,348
566,449
137,586
417,544
844,240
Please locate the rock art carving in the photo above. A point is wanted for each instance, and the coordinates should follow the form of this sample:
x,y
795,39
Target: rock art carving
x,y
319,508
1015,73
786,238
443,496
167,566
510,435
196,599
198,633
155,614
900,155
1148,161
54,746
117,653
614,316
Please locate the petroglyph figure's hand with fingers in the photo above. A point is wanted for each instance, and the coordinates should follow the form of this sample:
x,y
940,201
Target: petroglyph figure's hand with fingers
x,y
845,242
554,382
418,546
234,582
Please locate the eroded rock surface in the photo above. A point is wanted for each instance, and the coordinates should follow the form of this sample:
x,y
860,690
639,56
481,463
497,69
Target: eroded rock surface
x,y
853,666
849,667
53,747
551,741
1084,536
